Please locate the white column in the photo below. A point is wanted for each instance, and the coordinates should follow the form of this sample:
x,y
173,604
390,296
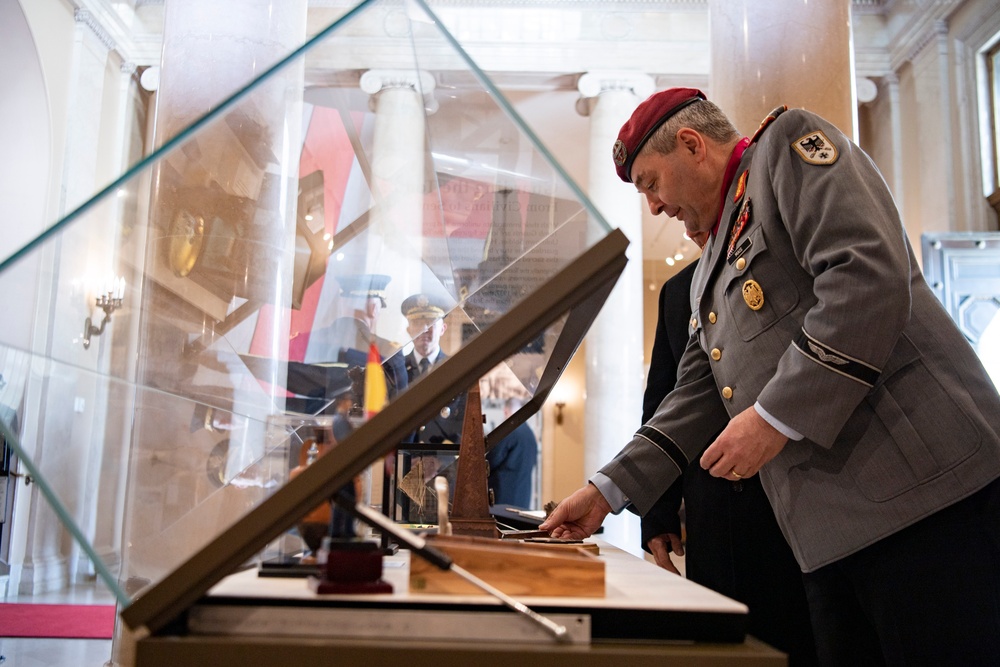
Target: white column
x,y
241,169
81,168
765,54
896,128
401,100
613,347
946,101
249,155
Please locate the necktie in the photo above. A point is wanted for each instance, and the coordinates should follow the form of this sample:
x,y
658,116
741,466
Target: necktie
x,y
425,363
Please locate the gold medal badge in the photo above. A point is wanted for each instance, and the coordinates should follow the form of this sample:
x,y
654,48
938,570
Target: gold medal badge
x,y
753,295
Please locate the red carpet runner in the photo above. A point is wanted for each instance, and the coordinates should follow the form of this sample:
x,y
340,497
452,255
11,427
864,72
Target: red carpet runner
x,y
64,621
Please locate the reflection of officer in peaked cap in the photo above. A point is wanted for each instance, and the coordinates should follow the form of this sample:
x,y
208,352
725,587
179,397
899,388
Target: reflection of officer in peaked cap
x,y
364,286
425,324
422,307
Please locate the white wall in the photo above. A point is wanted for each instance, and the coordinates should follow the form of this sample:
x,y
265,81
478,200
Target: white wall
x,y
24,132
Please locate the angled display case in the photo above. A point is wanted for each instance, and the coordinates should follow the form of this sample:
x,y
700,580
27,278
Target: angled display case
x,y
190,329
177,337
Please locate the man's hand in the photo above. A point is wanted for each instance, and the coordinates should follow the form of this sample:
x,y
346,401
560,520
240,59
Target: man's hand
x,y
579,515
661,546
743,447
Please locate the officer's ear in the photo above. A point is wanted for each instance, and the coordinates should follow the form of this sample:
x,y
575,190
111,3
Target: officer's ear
x,y
690,141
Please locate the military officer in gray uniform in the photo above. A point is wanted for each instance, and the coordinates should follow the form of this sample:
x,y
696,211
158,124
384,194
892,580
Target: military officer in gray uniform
x,y
873,425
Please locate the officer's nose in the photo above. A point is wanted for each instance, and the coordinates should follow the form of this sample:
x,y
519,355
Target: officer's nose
x,y
655,205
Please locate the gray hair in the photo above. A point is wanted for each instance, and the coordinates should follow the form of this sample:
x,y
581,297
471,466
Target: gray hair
x,y
702,116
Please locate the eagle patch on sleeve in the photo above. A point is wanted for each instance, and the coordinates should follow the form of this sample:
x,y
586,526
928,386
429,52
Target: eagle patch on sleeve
x,y
815,148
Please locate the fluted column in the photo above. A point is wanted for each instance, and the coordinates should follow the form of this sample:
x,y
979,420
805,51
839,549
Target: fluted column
x,y
896,129
45,562
946,101
91,48
792,52
613,347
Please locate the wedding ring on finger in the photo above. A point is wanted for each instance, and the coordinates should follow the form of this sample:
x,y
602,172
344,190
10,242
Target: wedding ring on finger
x,y
735,474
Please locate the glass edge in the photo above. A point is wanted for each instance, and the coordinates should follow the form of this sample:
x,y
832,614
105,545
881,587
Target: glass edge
x,y
102,571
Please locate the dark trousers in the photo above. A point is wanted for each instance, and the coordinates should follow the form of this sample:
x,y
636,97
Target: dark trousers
x,y
927,595
734,546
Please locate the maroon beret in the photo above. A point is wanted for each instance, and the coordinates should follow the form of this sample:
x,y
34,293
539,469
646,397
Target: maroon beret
x,y
645,120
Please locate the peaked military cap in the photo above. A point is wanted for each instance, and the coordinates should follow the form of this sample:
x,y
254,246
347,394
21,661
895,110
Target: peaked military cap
x,y
365,285
420,306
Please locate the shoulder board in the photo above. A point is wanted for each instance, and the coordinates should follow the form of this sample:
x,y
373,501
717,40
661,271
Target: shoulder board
x,y
767,121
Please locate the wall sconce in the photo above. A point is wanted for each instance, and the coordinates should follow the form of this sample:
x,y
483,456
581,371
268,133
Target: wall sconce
x,y
109,302
559,415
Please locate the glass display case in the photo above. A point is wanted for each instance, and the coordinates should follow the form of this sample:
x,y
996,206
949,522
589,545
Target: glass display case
x,y
175,341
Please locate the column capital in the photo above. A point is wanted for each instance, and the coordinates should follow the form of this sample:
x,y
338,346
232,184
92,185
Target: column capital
x,y
595,82
866,89
374,81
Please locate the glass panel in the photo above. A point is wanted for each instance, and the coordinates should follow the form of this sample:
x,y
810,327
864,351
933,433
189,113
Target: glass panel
x,y
175,343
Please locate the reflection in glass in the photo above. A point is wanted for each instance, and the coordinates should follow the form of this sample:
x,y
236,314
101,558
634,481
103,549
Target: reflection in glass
x,y
244,323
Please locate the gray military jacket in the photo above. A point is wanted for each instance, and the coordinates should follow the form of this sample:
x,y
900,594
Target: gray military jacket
x,y
810,301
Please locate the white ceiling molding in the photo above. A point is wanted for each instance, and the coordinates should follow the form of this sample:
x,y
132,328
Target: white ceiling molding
x,y
86,17
667,38
134,45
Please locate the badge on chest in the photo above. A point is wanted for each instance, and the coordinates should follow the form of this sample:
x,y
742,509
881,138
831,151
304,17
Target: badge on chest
x,y
753,295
